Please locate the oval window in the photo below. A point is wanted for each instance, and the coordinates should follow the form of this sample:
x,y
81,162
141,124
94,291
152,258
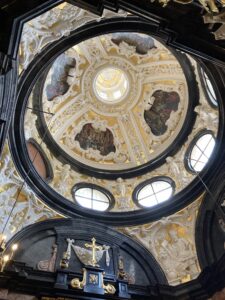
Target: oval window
x,y
154,192
39,160
200,152
208,88
92,198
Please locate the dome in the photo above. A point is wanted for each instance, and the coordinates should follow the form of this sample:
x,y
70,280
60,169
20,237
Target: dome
x,y
120,111
115,116
118,118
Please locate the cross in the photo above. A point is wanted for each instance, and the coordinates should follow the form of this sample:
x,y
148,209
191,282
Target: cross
x,y
94,248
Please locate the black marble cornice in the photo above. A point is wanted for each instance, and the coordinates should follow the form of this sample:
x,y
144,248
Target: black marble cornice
x,y
20,278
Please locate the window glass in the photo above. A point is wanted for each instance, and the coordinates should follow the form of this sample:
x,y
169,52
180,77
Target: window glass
x,y
209,88
92,198
201,152
155,192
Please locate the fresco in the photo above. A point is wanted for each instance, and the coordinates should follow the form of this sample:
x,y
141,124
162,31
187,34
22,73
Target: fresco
x,y
60,72
89,137
142,43
160,111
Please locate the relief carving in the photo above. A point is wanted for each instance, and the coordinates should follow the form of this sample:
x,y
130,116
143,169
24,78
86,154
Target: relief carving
x,y
123,190
48,265
63,179
215,19
181,255
125,119
172,242
28,208
122,274
209,117
171,239
53,25
210,6
64,176
175,169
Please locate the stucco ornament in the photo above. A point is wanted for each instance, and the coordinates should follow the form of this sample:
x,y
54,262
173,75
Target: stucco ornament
x,y
28,208
171,240
210,6
51,26
79,106
123,191
215,19
146,71
117,108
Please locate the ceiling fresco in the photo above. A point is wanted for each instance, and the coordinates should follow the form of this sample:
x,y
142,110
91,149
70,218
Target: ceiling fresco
x,y
152,105
123,132
113,102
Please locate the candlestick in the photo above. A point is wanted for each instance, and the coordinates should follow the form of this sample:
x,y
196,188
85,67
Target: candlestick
x,y
5,258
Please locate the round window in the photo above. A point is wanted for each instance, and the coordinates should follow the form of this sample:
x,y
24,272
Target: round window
x,y
111,84
92,197
200,151
154,191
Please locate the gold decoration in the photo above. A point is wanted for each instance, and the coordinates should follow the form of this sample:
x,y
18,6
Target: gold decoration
x,y
64,263
37,211
172,242
208,5
2,242
143,145
4,258
77,284
94,248
109,288
93,278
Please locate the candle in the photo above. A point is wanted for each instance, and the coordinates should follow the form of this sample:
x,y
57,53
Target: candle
x,y
2,241
14,247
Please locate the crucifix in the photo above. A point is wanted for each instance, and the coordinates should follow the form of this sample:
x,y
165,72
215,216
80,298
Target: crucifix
x,y
94,248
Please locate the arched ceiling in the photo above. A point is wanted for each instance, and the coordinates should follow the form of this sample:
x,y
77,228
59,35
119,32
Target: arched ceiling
x,y
160,237
141,79
126,132
142,135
